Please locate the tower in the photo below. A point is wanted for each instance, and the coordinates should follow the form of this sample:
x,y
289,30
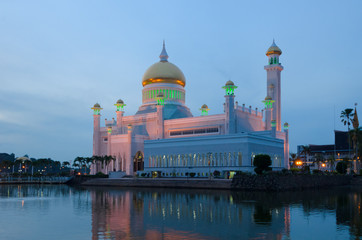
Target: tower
x,y
268,112
230,125
96,134
120,111
273,70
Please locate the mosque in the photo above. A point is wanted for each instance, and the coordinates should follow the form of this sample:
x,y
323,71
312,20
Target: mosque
x,y
163,138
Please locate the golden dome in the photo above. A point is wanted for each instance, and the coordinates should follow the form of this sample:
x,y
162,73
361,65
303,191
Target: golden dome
x,y
268,98
97,105
204,106
120,101
163,72
273,49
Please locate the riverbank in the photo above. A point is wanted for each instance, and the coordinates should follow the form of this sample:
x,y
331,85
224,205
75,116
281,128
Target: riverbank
x,y
272,182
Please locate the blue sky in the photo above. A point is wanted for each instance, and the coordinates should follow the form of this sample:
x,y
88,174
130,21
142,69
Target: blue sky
x,y
58,58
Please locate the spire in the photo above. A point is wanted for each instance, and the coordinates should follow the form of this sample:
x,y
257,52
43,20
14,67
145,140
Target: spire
x,y
163,55
355,118
273,44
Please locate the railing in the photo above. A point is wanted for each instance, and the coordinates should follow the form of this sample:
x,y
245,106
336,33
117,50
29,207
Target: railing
x,y
44,179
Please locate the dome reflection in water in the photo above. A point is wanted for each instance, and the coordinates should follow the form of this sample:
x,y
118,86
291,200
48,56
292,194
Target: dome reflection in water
x,y
62,212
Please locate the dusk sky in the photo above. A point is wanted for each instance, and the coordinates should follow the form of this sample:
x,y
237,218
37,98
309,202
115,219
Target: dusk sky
x,y
58,58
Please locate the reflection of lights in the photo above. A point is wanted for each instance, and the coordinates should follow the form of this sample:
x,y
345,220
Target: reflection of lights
x,y
194,214
163,213
22,203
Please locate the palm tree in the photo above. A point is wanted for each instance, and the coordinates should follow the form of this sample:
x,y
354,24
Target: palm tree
x,y
306,151
292,158
107,159
78,162
346,117
66,164
331,159
318,159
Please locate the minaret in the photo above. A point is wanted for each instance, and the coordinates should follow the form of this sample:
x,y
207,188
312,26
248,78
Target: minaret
x,y
273,70
204,110
268,112
96,134
96,128
160,104
109,146
129,160
120,105
230,125
286,146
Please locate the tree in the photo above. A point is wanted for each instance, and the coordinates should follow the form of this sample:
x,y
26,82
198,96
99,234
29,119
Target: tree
x,y
78,162
306,152
346,117
318,158
341,167
65,164
331,159
262,163
292,158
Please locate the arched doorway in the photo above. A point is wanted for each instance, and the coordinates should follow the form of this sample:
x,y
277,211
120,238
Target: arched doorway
x,y
138,163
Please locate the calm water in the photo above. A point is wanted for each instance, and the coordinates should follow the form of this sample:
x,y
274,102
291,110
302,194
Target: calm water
x,y
62,212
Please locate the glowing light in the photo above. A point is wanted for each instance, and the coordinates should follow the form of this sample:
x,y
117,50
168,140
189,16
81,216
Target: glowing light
x,y
298,162
229,89
323,165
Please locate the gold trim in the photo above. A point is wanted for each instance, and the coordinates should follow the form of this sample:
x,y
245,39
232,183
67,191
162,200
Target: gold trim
x,y
163,80
273,52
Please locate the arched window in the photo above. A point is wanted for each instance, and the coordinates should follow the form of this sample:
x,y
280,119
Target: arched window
x,y
240,163
138,163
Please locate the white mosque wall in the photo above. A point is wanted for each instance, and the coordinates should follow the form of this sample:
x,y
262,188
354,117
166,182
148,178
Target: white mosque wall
x,y
206,154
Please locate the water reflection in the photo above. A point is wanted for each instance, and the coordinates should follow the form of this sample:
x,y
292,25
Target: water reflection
x,y
110,213
177,214
202,214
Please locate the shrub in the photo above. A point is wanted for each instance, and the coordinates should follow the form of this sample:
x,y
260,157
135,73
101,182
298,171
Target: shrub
x,y
143,174
341,167
100,174
317,171
306,169
295,170
187,174
216,173
262,163
192,174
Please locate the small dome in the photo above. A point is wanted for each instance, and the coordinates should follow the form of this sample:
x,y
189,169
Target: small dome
x,y
204,106
97,105
273,49
229,83
268,98
120,101
286,124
